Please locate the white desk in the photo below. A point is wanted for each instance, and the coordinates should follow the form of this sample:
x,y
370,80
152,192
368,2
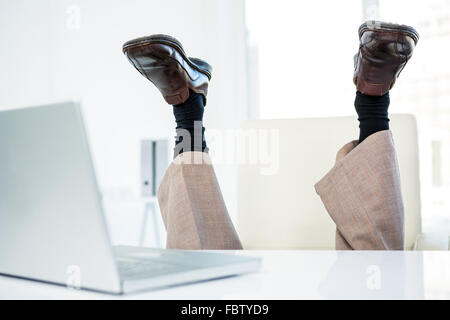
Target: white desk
x,y
294,275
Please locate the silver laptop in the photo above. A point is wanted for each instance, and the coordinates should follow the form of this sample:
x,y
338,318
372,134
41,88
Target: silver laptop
x,y
52,226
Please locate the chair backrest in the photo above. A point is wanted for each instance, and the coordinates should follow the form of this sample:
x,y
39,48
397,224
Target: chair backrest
x,y
282,210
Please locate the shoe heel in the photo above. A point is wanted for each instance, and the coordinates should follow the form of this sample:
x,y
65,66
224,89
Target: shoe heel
x,y
373,89
178,98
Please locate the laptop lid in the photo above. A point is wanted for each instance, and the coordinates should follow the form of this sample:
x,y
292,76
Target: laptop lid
x,y
52,226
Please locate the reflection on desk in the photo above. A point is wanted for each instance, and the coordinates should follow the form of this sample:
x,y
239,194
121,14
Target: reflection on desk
x,y
294,275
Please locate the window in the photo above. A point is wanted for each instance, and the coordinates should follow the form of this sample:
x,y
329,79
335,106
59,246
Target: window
x,y
305,55
301,57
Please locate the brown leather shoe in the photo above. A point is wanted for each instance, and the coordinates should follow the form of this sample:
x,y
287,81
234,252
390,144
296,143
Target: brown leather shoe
x,y
162,60
385,49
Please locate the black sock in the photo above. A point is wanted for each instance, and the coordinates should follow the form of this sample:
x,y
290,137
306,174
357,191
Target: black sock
x,y
372,114
190,130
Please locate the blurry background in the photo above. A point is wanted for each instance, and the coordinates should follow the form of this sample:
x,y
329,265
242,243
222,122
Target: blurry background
x,y
271,59
62,49
308,71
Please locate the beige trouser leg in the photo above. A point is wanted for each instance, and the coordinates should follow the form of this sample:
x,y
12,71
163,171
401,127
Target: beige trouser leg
x,y
192,206
362,195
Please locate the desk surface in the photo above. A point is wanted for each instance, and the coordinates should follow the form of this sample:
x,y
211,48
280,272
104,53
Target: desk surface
x,y
294,275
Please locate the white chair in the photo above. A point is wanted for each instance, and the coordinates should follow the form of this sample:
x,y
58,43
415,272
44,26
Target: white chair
x,y
283,211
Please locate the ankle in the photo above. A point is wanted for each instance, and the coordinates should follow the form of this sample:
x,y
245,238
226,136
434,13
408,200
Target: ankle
x,y
372,114
190,131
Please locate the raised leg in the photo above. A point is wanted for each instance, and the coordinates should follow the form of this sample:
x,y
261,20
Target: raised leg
x,y
362,192
189,196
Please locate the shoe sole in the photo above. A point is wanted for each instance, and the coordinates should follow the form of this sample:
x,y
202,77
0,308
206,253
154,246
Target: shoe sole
x,y
379,89
392,27
170,41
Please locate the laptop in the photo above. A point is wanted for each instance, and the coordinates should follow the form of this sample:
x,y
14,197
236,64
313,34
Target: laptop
x,y
52,225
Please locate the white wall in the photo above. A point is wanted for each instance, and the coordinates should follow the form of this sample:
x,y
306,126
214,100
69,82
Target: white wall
x,y
24,55
42,59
